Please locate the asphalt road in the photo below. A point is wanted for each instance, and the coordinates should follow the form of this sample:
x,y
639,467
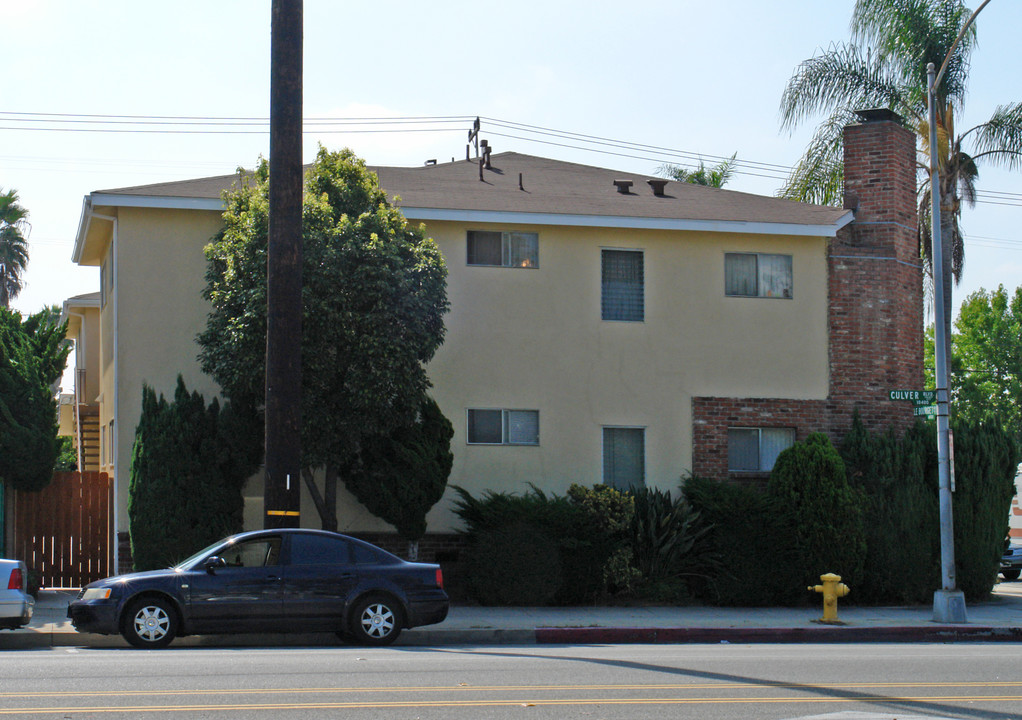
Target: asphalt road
x,y
524,682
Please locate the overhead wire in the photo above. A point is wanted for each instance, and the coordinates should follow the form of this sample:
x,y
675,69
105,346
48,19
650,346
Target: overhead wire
x,y
524,132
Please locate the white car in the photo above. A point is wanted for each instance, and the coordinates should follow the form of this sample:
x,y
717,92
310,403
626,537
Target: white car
x,y
16,605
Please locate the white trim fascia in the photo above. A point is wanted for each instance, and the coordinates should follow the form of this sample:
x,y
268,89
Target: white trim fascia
x,y
498,216
83,230
619,221
156,201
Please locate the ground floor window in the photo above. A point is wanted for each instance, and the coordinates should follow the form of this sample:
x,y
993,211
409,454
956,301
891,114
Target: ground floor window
x,y
503,427
624,457
756,449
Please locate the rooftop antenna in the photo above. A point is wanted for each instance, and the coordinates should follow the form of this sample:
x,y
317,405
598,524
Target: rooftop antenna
x,y
473,136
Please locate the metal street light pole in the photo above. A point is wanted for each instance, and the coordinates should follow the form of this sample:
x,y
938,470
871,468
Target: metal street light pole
x,y
948,602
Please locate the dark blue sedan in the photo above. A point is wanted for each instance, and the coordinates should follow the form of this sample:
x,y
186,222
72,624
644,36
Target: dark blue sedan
x,y
268,581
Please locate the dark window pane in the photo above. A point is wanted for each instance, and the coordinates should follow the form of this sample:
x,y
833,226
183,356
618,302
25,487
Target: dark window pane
x,y
484,248
484,426
743,449
740,274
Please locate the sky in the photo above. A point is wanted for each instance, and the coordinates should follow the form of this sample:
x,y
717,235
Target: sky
x,y
621,85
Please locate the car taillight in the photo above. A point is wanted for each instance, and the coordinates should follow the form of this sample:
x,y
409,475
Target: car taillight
x,y
15,582
440,578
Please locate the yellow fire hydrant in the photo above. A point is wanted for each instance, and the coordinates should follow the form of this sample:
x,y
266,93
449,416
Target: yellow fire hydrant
x,y
832,588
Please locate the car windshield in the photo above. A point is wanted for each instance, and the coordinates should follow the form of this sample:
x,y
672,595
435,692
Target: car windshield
x,y
201,555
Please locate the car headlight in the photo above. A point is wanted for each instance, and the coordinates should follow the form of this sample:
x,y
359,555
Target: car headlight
x,y
96,594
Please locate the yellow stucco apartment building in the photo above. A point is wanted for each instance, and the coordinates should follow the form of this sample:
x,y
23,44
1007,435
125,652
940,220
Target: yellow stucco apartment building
x,y
604,327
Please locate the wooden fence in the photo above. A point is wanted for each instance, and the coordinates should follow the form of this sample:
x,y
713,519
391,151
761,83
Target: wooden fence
x,y
64,533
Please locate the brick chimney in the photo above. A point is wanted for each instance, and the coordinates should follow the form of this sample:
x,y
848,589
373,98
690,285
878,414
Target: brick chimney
x,y
875,277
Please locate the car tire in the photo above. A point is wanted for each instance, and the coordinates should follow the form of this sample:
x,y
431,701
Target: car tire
x,y
375,620
150,623
1011,573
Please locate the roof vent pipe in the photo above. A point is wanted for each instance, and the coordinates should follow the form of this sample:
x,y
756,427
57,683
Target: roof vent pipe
x,y
658,186
623,186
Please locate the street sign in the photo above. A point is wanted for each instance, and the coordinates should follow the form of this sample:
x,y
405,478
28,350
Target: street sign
x,y
919,397
924,410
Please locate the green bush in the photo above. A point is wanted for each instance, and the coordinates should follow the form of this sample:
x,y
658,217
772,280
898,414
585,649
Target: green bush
x,y
669,543
824,512
898,480
513,565
188,466
581,534
985,464
751,540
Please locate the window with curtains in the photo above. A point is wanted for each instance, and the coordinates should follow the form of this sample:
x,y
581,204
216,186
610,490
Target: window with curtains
x,y
623,285
756,449
503,427
624,457
503,249
757,275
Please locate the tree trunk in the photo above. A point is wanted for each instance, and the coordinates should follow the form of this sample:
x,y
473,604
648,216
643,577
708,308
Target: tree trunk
x,y
325,502
413,550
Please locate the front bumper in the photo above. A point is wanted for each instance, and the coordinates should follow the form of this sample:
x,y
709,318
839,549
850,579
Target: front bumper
x,y
94,616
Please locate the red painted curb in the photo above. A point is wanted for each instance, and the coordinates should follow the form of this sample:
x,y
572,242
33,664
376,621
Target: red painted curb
x,y
938,633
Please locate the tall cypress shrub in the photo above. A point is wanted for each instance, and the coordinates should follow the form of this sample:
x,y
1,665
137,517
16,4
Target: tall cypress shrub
x,y
825,513
189,463
985,464
897,479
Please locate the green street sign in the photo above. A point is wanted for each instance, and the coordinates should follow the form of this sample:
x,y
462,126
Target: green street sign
x,y
919,397
924,410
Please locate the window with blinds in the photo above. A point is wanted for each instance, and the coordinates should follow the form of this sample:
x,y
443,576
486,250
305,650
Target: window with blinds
x,y
503,427
624,457
758,275
623,286
756,449
503,249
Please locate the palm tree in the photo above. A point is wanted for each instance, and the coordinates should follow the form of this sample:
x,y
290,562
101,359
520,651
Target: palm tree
x,y
717,176
13,246
884,66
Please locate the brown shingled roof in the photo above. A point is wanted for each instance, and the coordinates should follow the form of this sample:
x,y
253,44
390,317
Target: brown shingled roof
x,y
547,187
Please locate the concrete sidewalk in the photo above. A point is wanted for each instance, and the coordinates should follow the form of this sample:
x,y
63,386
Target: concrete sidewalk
x,y
997,619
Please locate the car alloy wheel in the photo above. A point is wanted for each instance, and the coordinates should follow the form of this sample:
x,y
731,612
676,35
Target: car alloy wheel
x,y
376,621
150,623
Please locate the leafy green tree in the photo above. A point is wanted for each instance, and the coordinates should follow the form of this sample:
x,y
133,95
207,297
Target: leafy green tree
x,y
987,359
189,464
716,176
13,246
884,65
374,296
401,475
33,353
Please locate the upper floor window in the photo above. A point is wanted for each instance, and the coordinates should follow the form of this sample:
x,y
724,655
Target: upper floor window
x,y
757,275
623,285
503,249
503,427
756,449
624,457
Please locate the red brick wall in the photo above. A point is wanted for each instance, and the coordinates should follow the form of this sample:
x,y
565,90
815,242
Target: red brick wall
x,y
875,313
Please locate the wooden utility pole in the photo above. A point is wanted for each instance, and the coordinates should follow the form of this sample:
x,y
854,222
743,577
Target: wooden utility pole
x,y
282,495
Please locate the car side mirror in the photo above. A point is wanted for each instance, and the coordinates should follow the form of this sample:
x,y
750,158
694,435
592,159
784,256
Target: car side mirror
x,y
212,563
